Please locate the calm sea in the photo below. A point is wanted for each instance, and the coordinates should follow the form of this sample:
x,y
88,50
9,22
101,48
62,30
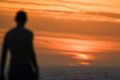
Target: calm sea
x,y
79,73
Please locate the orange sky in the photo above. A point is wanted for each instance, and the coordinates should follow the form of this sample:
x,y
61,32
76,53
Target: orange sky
x,y
76,32
96,10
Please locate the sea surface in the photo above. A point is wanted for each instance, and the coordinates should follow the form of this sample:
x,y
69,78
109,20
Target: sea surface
x,y
79,73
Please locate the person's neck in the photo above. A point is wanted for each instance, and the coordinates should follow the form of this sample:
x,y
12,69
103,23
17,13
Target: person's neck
x,y
21,26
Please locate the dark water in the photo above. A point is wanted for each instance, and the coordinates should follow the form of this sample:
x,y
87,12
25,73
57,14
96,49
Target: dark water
x,y
79,73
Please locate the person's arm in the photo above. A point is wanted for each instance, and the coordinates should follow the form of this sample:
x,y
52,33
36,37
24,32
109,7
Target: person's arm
x,y
34,62
33,57
3,57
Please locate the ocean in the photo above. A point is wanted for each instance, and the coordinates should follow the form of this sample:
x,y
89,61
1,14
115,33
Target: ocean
x,y
79,73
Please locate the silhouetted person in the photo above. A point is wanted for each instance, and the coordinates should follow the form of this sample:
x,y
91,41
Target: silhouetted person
x,y
19,41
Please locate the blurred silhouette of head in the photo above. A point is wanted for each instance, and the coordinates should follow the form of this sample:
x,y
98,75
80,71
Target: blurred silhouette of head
x,y
21,18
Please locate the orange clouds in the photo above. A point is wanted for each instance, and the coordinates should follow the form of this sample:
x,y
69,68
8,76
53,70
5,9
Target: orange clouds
x,y
82,24
78,49
68,9
66,44
64,5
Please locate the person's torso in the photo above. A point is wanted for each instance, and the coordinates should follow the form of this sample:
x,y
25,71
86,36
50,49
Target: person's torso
x,y
19,41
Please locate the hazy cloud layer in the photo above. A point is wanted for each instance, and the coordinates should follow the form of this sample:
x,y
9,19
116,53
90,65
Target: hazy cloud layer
x,y
80,10
75,32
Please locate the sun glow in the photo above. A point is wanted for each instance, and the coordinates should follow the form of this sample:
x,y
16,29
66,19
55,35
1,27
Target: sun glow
x,y
83,57
84,63
81,51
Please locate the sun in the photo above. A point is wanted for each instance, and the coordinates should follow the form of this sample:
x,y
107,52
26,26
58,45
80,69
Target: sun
x,y
83,56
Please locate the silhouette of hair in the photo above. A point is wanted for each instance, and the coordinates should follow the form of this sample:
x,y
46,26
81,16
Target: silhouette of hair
x,y
21,17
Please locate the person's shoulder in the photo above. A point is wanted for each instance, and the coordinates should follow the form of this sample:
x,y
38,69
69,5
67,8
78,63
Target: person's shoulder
x,y
10,32
29,31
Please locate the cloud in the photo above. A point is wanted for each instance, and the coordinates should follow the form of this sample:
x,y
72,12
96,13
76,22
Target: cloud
x,y
66,9
77,45
72,28
80,51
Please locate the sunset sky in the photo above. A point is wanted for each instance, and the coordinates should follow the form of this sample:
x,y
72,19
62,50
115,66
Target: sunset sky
x,y
69,32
